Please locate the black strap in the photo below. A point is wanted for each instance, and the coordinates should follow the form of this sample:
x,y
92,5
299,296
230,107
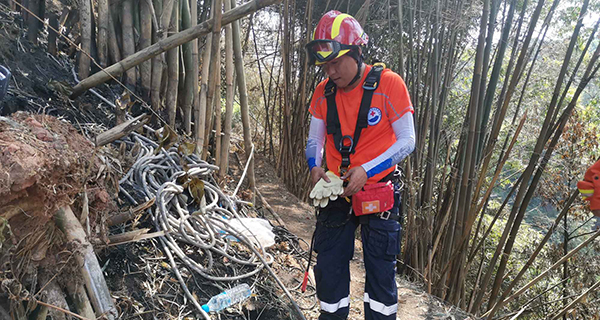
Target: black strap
x,y
333,120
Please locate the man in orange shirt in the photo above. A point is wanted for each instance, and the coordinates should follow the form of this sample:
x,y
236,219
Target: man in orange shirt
x,y
363,116
589,188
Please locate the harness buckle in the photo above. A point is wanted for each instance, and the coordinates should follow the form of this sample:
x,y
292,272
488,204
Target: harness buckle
x,y
345,148
370,84
329,90
384,215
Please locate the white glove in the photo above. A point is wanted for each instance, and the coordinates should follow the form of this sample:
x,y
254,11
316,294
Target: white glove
x,y
596,225
324,191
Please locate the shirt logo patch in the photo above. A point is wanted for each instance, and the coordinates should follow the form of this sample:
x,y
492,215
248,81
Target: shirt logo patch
x,y
374,116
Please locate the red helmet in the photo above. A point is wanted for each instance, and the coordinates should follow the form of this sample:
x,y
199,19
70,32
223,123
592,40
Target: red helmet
x,y
335,35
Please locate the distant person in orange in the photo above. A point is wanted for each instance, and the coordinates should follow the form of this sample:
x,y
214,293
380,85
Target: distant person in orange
x,y
362,114
590,190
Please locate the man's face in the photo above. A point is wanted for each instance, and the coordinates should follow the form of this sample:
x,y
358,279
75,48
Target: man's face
x,y
341,70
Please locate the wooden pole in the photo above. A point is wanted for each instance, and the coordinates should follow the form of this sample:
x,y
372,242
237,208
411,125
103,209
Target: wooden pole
x,y
169,43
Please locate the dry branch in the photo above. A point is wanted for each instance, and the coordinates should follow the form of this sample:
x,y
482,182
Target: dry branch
x,y
169,43
121,130
133,236
132,213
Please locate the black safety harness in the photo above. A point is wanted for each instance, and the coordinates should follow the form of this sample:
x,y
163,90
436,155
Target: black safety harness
x,y
333,120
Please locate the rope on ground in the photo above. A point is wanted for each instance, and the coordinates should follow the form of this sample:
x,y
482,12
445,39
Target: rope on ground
x,y
200,235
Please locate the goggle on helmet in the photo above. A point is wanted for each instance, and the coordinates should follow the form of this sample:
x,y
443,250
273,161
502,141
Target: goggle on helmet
x,y
335,35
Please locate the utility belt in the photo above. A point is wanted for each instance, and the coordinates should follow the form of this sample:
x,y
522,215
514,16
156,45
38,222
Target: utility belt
x,y
380,200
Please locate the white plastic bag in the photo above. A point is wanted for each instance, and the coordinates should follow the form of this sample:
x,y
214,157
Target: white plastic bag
x,y
256,229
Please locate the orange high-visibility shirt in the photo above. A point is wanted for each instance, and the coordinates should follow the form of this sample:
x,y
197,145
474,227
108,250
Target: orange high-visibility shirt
x,y
390,102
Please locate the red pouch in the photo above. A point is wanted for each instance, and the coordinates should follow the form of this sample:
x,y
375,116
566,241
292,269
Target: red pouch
x,y
374,198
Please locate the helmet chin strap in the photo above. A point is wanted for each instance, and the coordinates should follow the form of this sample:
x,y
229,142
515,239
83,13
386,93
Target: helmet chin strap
x,y
359,61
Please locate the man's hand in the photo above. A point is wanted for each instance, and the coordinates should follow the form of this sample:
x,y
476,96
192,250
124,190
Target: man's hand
x,y
358,178
318,173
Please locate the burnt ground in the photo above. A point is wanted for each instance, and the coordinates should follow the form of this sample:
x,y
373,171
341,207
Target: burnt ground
x,y
138,275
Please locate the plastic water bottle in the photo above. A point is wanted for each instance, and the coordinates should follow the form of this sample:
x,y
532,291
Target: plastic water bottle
x,y
228,298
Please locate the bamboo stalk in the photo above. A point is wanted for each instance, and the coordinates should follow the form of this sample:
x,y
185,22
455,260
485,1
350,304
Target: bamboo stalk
x,y
215,57
102,40
52,35
554,266
53,295
195,61
217,107
241,82
113,43
128,45
144,42
157,61
162,46
229,96
85,18
173,68
200,111
187,92
576,301
33,24
80,299
501,302
90,268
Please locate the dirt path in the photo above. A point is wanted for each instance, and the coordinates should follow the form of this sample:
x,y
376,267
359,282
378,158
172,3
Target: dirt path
x,y
298,216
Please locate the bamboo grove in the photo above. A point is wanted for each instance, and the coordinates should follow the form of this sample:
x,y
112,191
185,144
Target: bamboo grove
x,y
170,52
455,168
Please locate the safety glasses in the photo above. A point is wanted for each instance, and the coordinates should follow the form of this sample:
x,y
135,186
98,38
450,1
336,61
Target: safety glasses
x,y
322,51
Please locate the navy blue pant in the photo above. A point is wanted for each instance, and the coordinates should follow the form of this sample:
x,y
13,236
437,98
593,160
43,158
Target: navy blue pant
x,y
334,243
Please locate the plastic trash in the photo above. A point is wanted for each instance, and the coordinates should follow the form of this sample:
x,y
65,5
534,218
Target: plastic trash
x,y
4,79
227,298
257,230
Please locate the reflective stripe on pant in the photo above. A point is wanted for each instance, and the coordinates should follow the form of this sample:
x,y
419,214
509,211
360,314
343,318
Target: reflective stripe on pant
x,y
335,248
381,244
334,243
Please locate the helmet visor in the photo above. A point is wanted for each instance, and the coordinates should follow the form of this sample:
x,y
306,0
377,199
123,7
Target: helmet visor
x,y
322,51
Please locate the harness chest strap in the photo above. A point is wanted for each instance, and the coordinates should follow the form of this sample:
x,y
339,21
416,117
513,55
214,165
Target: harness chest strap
x,y
333,120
